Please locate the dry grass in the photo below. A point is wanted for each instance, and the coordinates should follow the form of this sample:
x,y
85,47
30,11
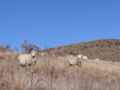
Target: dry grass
x,y
52,73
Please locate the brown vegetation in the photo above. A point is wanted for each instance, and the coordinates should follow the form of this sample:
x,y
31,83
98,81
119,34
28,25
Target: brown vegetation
x,y
104,49
52,72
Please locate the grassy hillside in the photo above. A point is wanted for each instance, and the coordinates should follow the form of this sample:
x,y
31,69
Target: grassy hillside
x,y
52,71
103,49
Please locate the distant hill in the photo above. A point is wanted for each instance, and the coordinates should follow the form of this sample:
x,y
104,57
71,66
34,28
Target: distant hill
x,y
107,49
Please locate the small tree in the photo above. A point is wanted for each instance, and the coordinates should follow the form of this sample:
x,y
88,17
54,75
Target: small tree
x,y
28,47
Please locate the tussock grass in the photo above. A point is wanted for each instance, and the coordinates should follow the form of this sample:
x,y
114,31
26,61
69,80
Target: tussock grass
x,y
53,73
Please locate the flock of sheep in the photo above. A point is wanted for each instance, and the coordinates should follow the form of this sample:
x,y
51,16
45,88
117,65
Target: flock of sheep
x,y
31,58
76,60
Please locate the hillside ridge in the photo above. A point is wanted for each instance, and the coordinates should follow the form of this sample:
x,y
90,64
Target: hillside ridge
x,y
106,49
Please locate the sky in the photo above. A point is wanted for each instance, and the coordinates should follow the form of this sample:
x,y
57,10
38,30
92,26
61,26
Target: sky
x,y
51,23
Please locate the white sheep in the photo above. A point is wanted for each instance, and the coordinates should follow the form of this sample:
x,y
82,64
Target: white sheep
x,y
73,60
27,59
97,59
80,56
84,57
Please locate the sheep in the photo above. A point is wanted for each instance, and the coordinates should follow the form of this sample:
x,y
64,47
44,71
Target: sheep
x,y
76,60
80,56
85,58
72,60
97,59
27,59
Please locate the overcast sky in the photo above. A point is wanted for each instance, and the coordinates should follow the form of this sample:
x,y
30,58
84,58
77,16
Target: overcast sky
x,y
51,23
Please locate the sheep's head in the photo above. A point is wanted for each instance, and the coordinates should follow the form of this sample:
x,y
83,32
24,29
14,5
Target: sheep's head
x,y
34,53
80,56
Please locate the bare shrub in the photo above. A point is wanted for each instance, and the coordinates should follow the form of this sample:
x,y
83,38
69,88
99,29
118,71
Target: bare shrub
x,y
27,47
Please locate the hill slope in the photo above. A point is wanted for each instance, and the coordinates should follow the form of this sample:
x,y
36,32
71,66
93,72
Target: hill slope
x,y
108,49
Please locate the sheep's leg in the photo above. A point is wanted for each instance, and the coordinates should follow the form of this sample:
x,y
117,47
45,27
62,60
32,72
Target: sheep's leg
x,y
22,65
29,64
70,64
35,62
79,64
32,63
